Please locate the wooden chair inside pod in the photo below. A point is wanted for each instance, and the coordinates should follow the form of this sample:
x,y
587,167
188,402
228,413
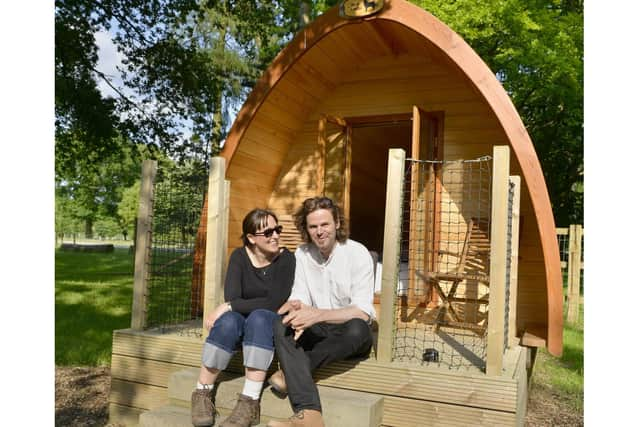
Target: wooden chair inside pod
x,y
471,267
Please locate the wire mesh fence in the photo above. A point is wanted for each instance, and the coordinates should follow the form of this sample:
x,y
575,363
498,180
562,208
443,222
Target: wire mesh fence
x,y
443,290
563,235
176,279
571,245
563,243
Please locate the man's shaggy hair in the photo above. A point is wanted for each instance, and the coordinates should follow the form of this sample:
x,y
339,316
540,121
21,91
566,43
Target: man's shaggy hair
x,y
313,204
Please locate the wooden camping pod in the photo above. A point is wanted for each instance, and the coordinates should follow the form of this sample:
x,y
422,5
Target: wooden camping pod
x,y
373,71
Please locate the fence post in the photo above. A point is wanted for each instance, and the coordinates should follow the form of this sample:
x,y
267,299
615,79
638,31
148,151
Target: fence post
x,y
391,252
573,272
498,272
216,244
143,245
515,244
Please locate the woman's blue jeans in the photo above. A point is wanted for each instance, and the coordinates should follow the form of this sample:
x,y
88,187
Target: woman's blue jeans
x,y
254,331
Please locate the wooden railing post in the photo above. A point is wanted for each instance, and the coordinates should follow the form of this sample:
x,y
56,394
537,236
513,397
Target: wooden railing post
x,y
143,245
498,272
573,272
515,244
216,245
391,253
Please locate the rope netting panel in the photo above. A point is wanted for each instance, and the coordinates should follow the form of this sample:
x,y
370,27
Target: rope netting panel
x,y
507,289
443,290
177,250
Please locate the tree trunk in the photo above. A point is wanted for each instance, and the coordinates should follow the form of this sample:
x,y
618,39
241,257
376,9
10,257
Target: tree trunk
x,y
88,228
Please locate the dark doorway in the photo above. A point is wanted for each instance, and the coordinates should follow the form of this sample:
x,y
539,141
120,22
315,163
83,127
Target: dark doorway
x,y
370,144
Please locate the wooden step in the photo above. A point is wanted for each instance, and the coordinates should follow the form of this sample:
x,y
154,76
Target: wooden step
x,y
177,416
340,407
166,416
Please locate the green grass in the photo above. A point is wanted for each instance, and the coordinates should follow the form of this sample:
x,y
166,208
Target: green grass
x,y
565,375
93,297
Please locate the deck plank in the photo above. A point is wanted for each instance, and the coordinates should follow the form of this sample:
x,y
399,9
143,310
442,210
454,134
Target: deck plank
x,y
402,380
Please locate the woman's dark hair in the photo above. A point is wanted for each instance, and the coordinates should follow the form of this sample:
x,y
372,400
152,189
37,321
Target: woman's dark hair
x,y
313,204
253,221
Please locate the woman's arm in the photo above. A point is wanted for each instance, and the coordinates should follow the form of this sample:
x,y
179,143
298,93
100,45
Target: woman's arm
x,y
233,278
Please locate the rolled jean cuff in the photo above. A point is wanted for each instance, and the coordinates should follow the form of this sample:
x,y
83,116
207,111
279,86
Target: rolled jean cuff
x,y
215,357
257,357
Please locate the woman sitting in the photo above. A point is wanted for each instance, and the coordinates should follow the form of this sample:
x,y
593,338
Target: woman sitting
x,y
258,282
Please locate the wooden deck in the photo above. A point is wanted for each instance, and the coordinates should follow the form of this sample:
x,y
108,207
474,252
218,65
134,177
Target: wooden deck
x,y
415,394
459,348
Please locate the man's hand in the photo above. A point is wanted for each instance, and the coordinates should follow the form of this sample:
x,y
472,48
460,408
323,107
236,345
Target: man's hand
x,y
303,317
289,306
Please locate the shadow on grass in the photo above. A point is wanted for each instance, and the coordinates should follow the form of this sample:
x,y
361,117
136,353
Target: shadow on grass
x,y
93,297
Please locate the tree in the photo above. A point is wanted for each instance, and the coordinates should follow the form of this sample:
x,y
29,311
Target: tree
x,y
66,221
85,121
94,185
188,64
107,227
128,209
536,49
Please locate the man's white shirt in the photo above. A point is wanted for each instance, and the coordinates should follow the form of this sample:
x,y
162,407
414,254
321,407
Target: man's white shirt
x,y
344,279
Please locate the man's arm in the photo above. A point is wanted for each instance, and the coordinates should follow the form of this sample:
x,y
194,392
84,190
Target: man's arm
x,y
306,316
300,289
362,285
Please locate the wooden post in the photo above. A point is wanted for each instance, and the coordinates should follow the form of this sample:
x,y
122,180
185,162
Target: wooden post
x,y
143,245
498,272
570,262
417,244
346,188
573,272
216,245
224,238
515,244
391,252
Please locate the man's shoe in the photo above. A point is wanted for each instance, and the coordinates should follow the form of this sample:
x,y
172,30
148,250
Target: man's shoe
x,y
246,413
302,418
278,383
203,412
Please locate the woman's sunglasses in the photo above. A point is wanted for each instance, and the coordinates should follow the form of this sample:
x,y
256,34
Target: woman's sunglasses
x,y
269,231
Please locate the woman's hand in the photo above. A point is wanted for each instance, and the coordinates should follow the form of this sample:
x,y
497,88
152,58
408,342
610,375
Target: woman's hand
x,y
213,316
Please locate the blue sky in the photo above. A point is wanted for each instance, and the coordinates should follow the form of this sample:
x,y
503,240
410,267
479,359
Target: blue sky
x,y
108,59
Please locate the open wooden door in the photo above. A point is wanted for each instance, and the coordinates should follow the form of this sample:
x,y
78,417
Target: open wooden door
x,y
334,171
425,198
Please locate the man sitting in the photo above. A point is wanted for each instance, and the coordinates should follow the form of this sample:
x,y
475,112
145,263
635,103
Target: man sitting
x,y
330,310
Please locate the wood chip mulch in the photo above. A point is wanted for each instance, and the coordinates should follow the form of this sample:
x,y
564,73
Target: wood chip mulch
x,y
82,396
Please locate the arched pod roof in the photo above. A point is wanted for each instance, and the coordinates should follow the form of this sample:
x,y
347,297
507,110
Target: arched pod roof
x,y
452,48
